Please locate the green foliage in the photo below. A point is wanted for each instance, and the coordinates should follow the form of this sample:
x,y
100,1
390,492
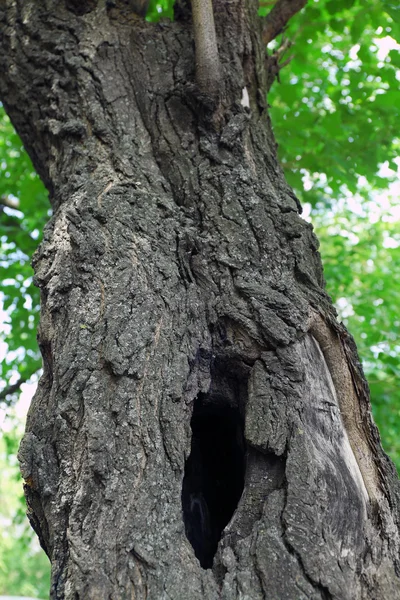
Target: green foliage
x,y
20,232
336,107
160,9
24,568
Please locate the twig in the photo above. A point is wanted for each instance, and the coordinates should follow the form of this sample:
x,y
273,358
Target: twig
x,y
286,62
285,45
11,389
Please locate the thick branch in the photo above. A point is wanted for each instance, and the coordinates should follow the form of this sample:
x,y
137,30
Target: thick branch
x,y
279,16
208,72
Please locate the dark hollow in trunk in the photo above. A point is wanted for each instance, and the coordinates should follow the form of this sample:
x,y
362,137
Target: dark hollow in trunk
x,y
214,474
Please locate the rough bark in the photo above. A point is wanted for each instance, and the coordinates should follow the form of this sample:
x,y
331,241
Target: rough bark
x,y
184,322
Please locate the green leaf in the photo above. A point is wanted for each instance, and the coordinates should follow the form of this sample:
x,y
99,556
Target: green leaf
x,y
394,56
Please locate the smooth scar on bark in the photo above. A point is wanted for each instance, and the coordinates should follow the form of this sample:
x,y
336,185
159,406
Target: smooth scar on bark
x,y
357,447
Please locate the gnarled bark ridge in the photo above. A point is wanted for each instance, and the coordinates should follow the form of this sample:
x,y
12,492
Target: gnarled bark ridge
x,y
202,428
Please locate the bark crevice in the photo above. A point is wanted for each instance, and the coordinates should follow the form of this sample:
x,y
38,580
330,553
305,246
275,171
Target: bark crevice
x,y
317,585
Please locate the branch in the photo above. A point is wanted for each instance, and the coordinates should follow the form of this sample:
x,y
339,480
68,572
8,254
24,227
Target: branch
x,y
9,202
208,71
279,16
274,66
286,62
11,389
15,387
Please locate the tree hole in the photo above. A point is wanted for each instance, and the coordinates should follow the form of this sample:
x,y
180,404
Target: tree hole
x,y
214,474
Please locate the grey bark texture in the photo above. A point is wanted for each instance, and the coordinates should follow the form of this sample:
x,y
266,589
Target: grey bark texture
x,y
182,291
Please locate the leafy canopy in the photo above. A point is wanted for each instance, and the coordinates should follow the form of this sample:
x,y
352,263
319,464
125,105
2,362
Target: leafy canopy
x,y
336,108
20,232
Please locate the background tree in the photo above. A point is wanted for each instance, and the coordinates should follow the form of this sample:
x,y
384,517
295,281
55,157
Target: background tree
x,y
247,433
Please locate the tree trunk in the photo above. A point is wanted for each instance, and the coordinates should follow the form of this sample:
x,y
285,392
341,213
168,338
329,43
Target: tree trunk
x,y
202,428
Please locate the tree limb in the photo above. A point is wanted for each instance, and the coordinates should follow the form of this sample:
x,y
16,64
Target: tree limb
x,y
11,389
15,387
281,13
208,71
9,202
274,66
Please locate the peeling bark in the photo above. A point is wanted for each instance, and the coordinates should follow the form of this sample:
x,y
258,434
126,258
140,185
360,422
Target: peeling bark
x,y
180,289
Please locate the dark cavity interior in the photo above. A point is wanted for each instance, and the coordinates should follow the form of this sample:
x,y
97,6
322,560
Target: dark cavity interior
x,y
214,473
